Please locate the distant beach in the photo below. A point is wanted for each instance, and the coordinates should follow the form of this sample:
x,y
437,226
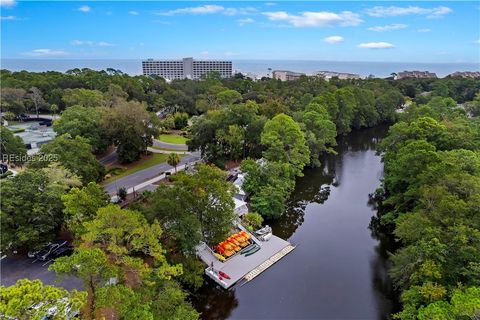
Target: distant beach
x,y
256,67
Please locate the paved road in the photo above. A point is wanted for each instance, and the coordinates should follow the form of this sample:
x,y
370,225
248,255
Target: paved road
x,y
173,146
17,267
111,158
145,174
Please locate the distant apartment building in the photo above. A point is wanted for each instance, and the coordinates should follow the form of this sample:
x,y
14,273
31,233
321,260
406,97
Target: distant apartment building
x,y
415,74
187,68
284,75
327,75
465,74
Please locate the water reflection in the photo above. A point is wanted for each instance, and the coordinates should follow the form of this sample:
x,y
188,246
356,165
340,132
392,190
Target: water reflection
x,y
213,302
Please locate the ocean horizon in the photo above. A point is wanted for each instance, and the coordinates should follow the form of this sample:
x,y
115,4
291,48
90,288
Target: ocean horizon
x,y
256,67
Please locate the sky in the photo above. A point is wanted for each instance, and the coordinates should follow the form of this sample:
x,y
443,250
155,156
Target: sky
x,y
400,31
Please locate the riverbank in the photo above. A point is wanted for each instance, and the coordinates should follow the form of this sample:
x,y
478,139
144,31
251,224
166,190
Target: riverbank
x,y
338,262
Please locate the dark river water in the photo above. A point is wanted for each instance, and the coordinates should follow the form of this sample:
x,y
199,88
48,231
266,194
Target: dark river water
x,y
339,268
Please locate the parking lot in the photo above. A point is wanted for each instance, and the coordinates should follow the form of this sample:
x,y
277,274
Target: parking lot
x,y
16,267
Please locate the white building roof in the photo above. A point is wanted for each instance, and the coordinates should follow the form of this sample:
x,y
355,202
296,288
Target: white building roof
x,y
240,207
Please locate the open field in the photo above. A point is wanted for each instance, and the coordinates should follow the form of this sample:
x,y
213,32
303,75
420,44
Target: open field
x,y
173,138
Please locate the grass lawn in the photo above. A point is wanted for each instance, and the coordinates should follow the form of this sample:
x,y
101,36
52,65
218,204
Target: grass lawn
x,y
120,171
172,138
167,149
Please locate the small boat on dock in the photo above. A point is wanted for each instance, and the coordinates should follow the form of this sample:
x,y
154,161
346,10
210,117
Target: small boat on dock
x,y
264,230
264,234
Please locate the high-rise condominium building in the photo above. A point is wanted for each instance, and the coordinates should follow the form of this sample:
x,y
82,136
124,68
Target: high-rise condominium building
x,y
187,68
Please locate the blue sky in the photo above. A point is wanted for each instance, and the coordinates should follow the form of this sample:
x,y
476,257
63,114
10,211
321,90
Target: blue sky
x,y
421,31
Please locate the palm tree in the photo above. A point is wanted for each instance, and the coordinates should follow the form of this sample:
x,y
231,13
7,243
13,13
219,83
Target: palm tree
x,y
173,160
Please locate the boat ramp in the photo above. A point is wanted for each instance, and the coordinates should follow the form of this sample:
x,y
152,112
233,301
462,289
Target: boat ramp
x,y
242,268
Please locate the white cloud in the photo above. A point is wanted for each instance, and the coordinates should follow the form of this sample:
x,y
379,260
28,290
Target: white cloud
x,y
245,21
424,30
381,11
334,39
84,9
376,45
133,13
8,3
206,9
8,18
46,53
388,27
316,19
91,43
269,4
81,43
239,11
105,44
477,41
209,9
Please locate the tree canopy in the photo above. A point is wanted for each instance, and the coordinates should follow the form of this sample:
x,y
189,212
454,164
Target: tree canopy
x,y
431,192
31,299
85,122
75,154
12,148
32,208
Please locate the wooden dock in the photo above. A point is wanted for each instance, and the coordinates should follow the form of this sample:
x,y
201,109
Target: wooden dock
x,y
241,268
268,263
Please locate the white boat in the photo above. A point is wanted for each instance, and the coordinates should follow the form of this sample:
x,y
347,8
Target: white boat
x,y
266,229
265,236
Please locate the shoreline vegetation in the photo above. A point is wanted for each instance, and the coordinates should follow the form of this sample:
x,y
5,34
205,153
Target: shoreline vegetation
x,y
274,129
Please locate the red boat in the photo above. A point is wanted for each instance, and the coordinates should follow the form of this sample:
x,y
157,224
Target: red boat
x,y
223,274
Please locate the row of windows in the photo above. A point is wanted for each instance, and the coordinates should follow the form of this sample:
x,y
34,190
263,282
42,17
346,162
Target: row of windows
x,y
212,63
172,70
162,62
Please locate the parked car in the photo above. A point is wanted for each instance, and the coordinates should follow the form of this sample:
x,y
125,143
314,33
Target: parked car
x,y
33,252
61,252
47,251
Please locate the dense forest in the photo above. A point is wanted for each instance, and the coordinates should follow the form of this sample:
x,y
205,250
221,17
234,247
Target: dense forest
x,y
431,197
430,189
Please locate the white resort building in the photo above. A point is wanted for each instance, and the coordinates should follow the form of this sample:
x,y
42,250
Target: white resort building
x,y
187,68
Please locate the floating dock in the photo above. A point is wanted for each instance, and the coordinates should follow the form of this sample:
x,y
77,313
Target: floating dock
x,y
241,268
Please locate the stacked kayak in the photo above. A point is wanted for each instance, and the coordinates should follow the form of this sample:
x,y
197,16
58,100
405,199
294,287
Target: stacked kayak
x,y
250,250
232,245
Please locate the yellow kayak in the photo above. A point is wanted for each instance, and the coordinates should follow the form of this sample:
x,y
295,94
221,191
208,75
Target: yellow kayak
x,y
219,257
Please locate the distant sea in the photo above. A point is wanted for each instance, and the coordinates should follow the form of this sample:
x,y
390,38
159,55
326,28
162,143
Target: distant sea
x,y
256,67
